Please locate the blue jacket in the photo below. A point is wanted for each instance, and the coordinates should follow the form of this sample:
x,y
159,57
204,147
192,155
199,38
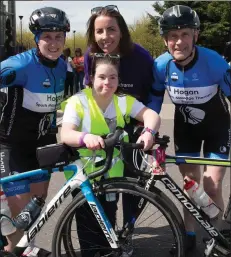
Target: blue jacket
x,y
197,84
31,92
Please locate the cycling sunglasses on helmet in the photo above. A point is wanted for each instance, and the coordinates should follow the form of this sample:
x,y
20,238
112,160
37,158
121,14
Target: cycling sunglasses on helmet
x,y
109,8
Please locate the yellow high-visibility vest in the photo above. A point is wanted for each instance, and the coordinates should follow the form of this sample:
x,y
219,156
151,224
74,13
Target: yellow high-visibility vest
x,y
93,122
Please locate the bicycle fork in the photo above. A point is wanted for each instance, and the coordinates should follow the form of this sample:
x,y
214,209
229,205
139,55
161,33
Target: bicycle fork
x,y
99,214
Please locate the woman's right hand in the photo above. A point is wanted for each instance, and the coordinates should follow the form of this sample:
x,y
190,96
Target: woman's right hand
x,y
93,142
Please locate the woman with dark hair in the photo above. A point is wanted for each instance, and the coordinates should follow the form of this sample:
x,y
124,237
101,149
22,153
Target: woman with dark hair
x,y
69,82
79,71
107,32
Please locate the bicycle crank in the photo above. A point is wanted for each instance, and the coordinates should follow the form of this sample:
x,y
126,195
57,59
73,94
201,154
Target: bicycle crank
x,y
214,250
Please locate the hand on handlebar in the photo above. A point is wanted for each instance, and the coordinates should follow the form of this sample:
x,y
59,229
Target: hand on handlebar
x,y
147,139
93,142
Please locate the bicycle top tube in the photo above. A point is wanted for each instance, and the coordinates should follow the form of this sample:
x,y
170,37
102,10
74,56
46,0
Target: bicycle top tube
x,y
31,173
197,161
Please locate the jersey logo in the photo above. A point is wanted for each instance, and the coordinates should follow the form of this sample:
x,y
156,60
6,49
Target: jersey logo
x,y
192,115
47,83
53,15
194,77
45,124
223,149
174,76
7,76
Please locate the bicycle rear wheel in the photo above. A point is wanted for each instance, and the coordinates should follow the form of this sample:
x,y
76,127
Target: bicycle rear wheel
x,y
156,229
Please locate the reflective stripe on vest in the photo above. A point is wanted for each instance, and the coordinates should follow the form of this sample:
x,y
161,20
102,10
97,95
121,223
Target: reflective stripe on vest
x,y
93,121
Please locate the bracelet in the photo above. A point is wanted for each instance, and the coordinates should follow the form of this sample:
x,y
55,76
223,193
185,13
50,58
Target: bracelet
x,y
153,132
81,138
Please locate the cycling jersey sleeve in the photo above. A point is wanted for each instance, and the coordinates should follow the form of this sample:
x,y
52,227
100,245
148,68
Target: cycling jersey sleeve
x,y
156,96
12,72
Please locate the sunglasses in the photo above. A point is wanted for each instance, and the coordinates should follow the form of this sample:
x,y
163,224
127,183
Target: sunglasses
x,y
115,59
103,55
109,8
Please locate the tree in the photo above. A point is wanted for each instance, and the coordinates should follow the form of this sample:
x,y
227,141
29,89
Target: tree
x,y
28,40
215,17
140,34
80,41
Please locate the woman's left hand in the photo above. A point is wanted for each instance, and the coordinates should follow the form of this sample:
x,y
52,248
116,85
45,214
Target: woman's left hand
x,y
148,140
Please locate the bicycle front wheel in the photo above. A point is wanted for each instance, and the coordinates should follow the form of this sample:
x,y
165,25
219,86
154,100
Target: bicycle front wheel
x,y
156,229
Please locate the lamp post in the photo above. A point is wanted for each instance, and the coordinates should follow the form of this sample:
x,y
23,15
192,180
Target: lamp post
x,y
74,40
20,17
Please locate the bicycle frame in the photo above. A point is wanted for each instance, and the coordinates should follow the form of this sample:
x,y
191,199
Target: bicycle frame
x,y
78,180
159,173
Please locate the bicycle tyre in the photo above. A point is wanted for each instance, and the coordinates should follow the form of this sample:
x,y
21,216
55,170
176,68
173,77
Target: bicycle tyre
x,y
120,185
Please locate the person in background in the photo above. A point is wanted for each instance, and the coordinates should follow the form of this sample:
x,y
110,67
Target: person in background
x,y
79,70
91,114
69,82
31,90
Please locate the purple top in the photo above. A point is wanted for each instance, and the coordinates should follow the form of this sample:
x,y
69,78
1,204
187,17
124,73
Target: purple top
x,y
135,72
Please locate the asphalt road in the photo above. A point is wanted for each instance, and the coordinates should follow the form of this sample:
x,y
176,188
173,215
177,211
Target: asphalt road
x,y
45,237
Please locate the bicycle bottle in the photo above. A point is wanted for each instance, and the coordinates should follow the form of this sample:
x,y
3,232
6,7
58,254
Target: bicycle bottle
x,y
199,196
29,214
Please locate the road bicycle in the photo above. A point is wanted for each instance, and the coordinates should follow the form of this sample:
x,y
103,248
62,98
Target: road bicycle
x,y
59,158
144,190
218,243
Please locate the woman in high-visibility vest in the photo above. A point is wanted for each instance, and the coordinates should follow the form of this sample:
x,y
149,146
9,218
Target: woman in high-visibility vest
x,y
95,112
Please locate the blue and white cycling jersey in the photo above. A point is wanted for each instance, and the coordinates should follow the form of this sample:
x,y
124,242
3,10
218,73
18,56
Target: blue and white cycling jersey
x,y
197,84
30,93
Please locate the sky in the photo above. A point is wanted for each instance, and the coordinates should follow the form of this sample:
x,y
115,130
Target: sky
x,y
79,11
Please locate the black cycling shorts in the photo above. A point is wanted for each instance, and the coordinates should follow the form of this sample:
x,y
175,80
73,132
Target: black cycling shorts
x,y
18,159
214,136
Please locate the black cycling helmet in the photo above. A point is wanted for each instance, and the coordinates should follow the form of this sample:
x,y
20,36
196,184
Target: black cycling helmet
x,y
178,17
48,19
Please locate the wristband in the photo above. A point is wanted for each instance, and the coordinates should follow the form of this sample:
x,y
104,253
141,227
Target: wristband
x,y
149,130
81,138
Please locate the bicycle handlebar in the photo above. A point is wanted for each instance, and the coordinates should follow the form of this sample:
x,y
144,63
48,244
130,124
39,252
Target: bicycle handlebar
x,y
114,140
